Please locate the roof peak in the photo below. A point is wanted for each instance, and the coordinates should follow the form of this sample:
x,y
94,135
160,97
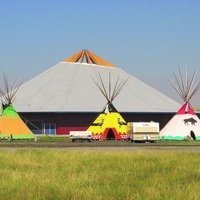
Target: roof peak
x,y
89,57
185,109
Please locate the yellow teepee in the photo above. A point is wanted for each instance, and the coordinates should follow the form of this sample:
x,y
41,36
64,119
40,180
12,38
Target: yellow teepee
x,y
109,124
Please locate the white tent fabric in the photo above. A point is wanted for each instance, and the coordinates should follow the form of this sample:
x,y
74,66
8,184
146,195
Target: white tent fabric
x,y
68,87
180,127
183,126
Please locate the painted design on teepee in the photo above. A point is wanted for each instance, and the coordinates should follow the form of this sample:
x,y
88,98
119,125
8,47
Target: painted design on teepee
x,y
109,124
89,57
11,125
185,124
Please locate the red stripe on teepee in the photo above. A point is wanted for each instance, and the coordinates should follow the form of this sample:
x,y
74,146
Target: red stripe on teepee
x,y
185,109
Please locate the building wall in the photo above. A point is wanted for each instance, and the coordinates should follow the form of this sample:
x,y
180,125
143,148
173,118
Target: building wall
x,y
64,122
162,118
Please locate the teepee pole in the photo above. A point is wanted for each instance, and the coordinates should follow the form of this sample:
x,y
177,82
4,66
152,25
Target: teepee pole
x,y
190,90
175,87
115,89
195,90
109,92
181,80
101,90
9,91
185,89
120,88
103,87
186,80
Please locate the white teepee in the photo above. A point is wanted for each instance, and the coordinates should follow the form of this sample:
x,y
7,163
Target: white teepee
x,y
185,124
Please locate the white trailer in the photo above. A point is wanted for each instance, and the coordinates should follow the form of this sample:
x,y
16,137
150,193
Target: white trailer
x,y
80,135
143,131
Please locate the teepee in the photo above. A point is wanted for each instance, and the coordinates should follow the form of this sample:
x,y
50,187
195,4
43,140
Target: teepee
x,y
11,125
109,124
185,124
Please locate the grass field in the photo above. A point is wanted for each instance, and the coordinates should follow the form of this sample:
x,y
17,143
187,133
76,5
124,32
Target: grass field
x,y
51,174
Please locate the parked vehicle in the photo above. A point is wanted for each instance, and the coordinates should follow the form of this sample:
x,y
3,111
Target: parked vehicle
x,y
80,135
143,131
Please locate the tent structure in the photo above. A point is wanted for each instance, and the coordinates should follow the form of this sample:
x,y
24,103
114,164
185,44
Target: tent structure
x,y
185,124
11,125
68,87
64,97
109,124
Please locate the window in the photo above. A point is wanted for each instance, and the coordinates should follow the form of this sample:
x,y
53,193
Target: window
x,y
50,129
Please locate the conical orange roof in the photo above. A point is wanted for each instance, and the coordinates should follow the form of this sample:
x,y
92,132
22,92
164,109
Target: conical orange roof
x,y
90,57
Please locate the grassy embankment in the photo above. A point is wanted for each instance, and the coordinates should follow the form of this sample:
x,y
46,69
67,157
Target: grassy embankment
x,y
48,174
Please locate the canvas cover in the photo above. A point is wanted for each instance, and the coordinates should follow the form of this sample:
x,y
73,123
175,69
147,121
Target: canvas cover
x,y
12,126
106,122
69,87
183,126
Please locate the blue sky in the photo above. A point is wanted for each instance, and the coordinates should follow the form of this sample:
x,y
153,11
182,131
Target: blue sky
x,y
145,38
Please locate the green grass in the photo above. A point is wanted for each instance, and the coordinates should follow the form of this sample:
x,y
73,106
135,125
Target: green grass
x,y
48,174
55,139
60,138
46,138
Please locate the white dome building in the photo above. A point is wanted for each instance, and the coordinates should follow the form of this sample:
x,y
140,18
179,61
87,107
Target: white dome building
x,y
65,96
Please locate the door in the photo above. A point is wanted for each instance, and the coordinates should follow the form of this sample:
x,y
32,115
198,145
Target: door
x,y
110,135
50,129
